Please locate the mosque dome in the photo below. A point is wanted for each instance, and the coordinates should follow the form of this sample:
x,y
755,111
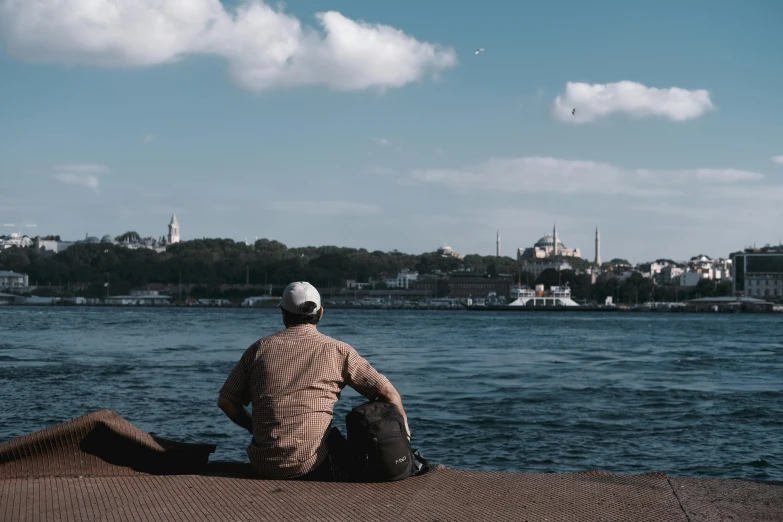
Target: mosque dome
x,y
107,239
548,241
93,239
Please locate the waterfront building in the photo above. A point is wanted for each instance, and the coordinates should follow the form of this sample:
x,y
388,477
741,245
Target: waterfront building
x,y
12,280
758,273
463,287
548,246
729,304
353,284
137,298
403,280
6,299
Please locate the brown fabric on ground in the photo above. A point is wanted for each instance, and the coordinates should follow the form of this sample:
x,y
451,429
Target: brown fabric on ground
x,y
100,443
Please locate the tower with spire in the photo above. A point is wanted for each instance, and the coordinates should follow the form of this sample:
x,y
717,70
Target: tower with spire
x,y
497,245
173,230
597,247
555,251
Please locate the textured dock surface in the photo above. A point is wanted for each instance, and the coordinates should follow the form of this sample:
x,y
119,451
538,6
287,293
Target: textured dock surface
x,y
100,467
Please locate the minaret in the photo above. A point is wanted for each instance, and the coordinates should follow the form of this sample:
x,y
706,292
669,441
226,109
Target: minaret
x,y
173,230
597,247
554,240
497,245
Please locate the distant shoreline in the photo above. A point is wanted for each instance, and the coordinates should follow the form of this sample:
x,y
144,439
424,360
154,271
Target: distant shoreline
x,y
502,309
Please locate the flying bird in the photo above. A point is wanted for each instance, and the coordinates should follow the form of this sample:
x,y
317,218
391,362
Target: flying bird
x,y
479,50
573,111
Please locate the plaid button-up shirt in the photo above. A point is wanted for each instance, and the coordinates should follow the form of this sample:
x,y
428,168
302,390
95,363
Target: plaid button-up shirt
x,y
293,378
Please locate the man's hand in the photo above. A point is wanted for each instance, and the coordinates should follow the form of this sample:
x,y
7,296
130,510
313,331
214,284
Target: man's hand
x,y
390,394
236,412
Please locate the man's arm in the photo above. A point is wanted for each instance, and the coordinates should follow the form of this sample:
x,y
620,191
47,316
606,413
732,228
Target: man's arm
x,y
236,412
388,393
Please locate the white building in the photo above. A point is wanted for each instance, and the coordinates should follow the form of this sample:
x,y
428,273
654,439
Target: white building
x,y
535,269
174,230
15,240
651,270
689,278
447,251
550,245
403,279
669,274
353,284
50,245
764,286
10,280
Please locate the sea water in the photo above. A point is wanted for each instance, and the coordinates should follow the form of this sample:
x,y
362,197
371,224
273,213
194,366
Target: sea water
x,y
691,395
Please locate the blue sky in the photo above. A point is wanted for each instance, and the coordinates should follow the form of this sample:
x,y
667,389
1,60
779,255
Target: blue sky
x,y
248,125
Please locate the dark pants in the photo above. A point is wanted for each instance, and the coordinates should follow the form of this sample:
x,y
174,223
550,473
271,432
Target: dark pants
x,y
333,468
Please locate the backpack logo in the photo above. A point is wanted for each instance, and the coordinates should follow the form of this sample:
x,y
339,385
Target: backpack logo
x,y
402,459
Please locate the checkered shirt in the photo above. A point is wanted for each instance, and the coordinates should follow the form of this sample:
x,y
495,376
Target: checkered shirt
x,y
293,378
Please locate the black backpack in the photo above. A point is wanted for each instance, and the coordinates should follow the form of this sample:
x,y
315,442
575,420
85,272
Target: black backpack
x,y
376,432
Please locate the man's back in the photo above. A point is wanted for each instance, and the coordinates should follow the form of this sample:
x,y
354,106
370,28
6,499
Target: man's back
x,y
293,379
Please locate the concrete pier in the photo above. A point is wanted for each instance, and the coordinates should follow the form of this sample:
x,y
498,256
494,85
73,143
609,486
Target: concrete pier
x,y
100,467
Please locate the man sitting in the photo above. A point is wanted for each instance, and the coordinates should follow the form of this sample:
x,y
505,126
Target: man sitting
x,y
293,378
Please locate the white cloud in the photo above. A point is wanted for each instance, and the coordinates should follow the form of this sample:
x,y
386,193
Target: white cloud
x,y
634,99
326,208
147,138
381,141
748,195
82,168
84,174
265,48
539,175
777,159
86,180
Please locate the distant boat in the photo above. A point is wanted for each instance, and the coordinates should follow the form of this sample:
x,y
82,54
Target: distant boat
x,y
557,296
261,301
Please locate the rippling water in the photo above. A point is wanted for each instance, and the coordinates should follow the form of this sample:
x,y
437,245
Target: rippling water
x,y
697,395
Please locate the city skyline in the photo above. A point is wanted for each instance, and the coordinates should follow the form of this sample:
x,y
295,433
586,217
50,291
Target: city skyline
x,y
315,135
173,236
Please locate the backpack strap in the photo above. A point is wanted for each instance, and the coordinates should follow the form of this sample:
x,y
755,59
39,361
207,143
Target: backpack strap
x,y
420,464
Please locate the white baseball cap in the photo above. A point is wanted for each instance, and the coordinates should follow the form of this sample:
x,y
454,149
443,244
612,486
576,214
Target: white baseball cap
x,y
296,294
